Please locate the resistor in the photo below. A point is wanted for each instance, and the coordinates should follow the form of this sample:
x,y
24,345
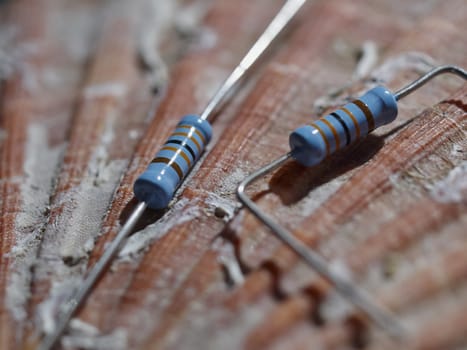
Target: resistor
x,y
310,145
156,186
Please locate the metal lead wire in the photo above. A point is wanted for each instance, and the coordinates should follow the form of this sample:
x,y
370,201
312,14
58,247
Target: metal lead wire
x,y
406,90
358,297
344,286
68,309
280,21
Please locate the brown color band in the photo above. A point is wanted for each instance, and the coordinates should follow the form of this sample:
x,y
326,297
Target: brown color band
x,y
185,134
369,117
355,123
200,134
170,162
334,132
179,151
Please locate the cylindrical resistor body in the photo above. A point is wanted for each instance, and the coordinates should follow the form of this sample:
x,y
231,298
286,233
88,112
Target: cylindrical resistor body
x,y
310,144
157,185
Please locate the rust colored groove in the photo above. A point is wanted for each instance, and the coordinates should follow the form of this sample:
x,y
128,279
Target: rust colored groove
x,y
30,101
219,160
181,99
107,89
402,151
402,231
323,220
233,142
174,295
439,332
444,272
281,319
439,215
274,82
368,184
435,133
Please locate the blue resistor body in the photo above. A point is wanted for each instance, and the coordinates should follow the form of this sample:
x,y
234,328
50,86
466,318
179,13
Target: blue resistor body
x,y
310,144
157,185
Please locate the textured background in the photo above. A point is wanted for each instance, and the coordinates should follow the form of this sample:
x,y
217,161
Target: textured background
x,y
91,89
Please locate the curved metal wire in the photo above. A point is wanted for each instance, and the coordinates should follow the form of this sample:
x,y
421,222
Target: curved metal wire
x,y
68,309
279,22
344,286
415,85
358,297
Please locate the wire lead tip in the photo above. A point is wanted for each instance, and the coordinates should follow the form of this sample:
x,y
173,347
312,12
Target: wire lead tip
x,y
69,309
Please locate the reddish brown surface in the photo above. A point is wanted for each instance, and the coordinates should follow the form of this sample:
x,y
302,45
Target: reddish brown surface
x,y
370,208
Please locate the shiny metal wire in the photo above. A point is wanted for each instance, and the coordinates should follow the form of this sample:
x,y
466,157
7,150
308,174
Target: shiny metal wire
x,y
279,22
343,285
357,296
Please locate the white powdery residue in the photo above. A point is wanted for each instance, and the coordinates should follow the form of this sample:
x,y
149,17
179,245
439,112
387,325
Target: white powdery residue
x,y
413,60
226,257
76,28
206,39
82,222
189,27
39,167
99,159
286,69
200,320
155,20
17,290
227,206
85,336
183,211
230,183
15,56
110,89
453,188
394,179
208,81
367,61
133,134
79,326
59,295
336,306
189,17
456,152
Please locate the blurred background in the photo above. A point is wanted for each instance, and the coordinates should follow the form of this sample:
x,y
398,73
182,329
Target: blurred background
x,y
90,90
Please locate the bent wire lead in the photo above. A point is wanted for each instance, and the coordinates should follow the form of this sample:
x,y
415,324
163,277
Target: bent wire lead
x,y
156,187
310,144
